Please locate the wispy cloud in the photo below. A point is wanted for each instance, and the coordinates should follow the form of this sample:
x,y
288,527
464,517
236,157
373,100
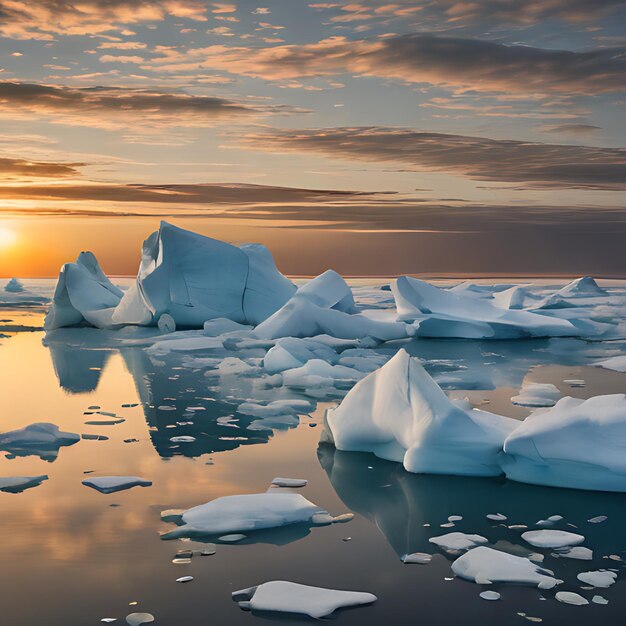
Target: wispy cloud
x,y
527,164
21,169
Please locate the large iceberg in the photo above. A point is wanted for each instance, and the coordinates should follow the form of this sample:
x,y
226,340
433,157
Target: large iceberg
x,y
577,443
83,295
442,313
400,413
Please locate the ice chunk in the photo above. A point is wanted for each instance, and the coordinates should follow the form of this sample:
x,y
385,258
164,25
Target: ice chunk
x,y
222,325
585,286
442,313
136,619
485,566
598,519
537,395
512,298
577,444
490,595
318,373
166,323
289,482
615,363
277,407
112,484
248,512
496,517
17,484
195,278
579,553
83,294
287,597
599,600
292,352
41,439
400,414
458,541
552,538
417,557
14,286
329,291
569,597
601,578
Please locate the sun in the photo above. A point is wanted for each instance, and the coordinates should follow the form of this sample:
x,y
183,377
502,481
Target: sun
x,y
7,237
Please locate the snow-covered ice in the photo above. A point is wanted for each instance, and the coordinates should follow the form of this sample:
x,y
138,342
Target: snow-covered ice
x,y
601,578
615,363
537,395
113,484
287,597
485,566
458,541
552,538
289,482
41,439
570,597
400,414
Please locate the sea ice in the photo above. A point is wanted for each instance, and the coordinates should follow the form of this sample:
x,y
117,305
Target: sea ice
x,y
615,363
329,291
17,484
417,557
485,566
577,444
537,395
400,414
289,482
458,541
136,619
292,352
490,595
578,553
318,373
569,597
112,484
600,578
287,597
552,538
41,439
248,512
585,287
442,313
276,408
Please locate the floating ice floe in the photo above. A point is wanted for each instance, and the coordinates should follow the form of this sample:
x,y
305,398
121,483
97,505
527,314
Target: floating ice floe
x,y
289,482
318,373
615,363
292,352
458,541
442,313
496,517
601,578
537,395
400,414
17,484
40,439
417,557
552,538
599,600
490,595
249,512
578,553
577,444
136,619
83,294
569,597
287,597
113,484
276,408
485,566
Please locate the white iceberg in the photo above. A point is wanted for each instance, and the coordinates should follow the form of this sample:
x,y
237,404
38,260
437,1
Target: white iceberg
x,y
442,313
399,413
17,484
245,513
458,541
41,439
287,597
585,287
329,291
600,578
577,444
511,298
537,395
14,286
552,538
485,566
112,484
83,294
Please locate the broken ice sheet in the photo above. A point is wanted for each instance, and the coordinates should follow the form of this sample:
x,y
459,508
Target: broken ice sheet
x,y
112,484
17,484
287,597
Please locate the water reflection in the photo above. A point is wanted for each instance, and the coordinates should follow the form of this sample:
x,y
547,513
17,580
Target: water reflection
x,y
400,503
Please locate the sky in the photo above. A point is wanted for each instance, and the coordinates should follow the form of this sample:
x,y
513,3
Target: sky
x,y
431,137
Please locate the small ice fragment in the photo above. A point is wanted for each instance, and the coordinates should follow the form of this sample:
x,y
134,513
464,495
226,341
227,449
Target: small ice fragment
x,y
490,595
108,620
537,395
166,323
575,383
458,541
111,422
447,525
417,557
111,484
289,482
232,538
182,439
552,538
600,578
579,553
17,484
136,619
343,518
288,597
455,518
599,600
569,597
496,517
184,579
598,520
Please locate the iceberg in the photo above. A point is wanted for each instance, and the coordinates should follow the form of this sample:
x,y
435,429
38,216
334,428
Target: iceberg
x,y
247,512
585,287
485,566
83,294
14,286
399,413
40,439
442,313
329,291
291,352
113,484
577,444
287,597
17,484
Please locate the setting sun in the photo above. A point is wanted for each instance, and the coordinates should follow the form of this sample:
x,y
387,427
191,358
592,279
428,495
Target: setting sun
x,y
8,237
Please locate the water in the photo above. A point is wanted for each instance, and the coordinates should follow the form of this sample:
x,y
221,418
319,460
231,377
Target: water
x,y
73,556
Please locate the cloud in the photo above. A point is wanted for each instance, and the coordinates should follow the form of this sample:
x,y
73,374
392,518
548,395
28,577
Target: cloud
x,y
527,164
452,62
572,129
42,19
114,108
16,168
